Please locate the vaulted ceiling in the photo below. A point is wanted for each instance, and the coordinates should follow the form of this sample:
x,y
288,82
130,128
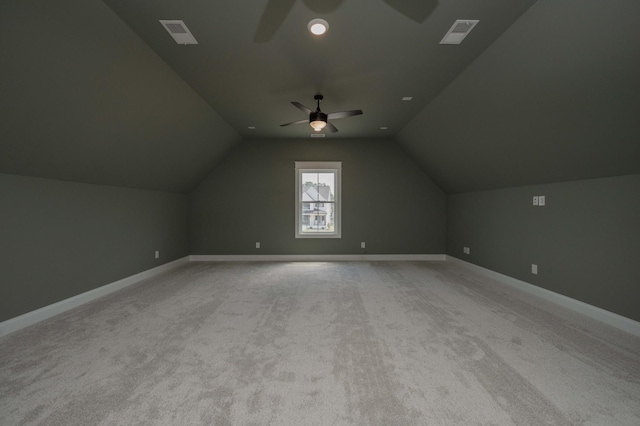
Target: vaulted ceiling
x,y
372,56
540,91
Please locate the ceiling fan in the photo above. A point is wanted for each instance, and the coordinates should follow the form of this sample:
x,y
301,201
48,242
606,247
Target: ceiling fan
x,y
318,119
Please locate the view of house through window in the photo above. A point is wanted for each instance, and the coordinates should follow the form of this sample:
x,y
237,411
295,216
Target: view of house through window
x,y
318,194
317,199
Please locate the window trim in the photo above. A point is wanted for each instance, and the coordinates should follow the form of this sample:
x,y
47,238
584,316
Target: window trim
x,y
319,167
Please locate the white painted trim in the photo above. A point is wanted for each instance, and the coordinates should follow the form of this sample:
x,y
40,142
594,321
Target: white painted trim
x,y
315,257
318,165
46,312
607,317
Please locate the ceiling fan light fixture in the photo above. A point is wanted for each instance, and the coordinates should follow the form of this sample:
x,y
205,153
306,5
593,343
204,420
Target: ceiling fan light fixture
x,y
318,125
318,120
318,26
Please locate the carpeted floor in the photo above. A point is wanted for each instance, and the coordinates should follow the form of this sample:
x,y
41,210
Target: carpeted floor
x,y
352,343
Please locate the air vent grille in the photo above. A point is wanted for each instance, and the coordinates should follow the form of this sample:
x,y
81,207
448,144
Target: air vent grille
x,y
179,31
462,27
176,28
317,135
458,31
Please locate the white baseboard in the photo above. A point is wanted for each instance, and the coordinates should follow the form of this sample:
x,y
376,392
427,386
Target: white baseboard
x,y
30,318
315,257
607,317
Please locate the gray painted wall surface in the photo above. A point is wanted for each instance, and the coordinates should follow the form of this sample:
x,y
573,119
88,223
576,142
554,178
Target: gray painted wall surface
x,y
60,239
388,202
585,241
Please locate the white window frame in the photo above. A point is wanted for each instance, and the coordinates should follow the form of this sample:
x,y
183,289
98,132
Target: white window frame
x,y
320,167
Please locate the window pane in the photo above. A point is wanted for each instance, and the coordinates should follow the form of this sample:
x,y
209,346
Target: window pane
x,y
317,187
318,219
317,197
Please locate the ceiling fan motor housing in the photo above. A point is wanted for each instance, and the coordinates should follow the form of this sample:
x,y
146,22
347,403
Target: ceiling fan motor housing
x,y
317,116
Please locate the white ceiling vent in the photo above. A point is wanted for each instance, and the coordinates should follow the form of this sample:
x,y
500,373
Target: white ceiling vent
x,y
459,31
317,135
179,32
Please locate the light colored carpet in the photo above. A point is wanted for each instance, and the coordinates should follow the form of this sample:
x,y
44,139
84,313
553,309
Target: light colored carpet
x,y
353,343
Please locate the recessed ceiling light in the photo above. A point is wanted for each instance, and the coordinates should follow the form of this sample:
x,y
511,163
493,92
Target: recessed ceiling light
x,y
318,26
407,98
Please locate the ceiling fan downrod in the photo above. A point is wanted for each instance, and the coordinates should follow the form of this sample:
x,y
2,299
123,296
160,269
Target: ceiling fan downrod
x,y
318,98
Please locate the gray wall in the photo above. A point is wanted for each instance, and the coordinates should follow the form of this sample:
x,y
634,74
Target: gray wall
x,y
59,239
585,241
388,202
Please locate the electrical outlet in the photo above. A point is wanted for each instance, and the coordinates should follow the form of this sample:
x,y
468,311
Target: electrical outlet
x,y
467,250
257,244
534,269
535,200
362,245
541,200
157,254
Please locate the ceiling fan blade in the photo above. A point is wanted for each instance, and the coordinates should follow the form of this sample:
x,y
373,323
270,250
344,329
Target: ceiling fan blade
x,y
343,114
295,122
331,127
417,11
302,107
272,18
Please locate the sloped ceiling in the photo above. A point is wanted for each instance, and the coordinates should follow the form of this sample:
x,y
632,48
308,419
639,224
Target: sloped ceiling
x,y
555,98
98,92
375,53
84,99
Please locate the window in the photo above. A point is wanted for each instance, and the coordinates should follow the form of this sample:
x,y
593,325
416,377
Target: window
x,y
318,199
